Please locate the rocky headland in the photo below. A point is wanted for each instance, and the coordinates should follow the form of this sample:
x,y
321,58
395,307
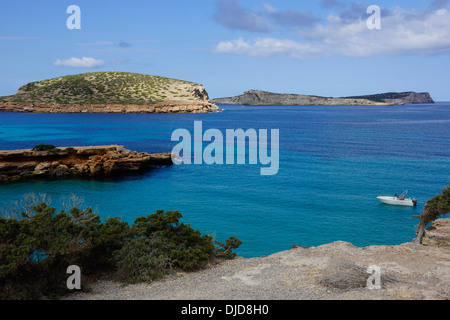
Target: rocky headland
x,y
109,92
257,97
94,161
398,98
335,271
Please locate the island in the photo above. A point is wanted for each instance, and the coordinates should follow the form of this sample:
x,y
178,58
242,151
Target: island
x,y
261,98
48,161
109,92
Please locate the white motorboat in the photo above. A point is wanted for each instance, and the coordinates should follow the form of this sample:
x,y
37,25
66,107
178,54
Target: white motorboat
x,y
398,200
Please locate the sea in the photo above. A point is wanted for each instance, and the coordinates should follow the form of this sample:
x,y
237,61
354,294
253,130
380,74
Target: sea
x,y
333,163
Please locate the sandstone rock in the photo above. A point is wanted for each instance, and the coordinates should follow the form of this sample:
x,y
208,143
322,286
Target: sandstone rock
x,y
257,97
41,168
204,107
61,170
97,161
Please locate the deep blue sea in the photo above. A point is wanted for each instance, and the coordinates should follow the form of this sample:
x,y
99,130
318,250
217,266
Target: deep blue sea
x,y
334,161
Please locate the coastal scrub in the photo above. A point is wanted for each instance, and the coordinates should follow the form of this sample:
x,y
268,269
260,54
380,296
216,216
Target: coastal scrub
x,y
38,244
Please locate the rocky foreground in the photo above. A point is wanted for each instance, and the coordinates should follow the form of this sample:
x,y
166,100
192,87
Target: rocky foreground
x,y
335,271
96,161
261,98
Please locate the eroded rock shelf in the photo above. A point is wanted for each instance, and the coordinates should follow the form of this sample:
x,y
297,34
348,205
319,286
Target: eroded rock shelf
x,y
93,161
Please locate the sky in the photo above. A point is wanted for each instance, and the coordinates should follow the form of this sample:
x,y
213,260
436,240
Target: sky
x,y
330,48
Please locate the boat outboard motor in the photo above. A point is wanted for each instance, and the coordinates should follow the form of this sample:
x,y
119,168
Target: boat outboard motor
x,y
414,202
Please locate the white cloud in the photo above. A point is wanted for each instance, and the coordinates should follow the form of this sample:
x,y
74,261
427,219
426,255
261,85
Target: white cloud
x,y
79,63
403,32
267,47
269,8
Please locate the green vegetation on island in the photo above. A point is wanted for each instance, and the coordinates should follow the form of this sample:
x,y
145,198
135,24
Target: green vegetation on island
x,y
108,88
43,147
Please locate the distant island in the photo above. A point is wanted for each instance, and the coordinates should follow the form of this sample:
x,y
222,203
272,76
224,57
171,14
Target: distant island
x,y
109,92
261,98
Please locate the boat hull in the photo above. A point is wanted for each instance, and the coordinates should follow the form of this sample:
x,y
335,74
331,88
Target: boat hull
x,y
397,202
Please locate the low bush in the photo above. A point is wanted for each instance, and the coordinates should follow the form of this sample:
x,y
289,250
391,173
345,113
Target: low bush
x,y
44,147
144,259
70,150
37,247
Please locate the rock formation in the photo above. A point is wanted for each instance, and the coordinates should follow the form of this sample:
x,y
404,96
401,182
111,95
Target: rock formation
x,y
16,165
108,108
256,97
399,98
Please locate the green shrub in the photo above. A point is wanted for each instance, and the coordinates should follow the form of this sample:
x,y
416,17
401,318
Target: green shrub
x,y
40,245
37,247
144,259
223,250
191,249
435,207
44,147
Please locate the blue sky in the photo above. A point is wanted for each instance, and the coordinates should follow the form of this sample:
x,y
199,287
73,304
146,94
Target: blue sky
x,y
319,47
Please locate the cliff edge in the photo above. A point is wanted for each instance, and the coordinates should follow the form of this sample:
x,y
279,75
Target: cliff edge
x,y
335,271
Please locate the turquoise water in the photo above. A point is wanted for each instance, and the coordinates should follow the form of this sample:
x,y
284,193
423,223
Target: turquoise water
x,y
334,161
